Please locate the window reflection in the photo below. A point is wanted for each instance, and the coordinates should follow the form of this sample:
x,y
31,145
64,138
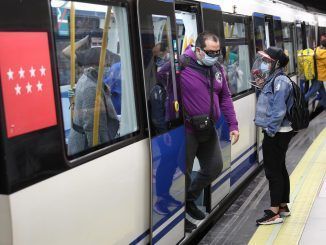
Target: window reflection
x,y
162,87
234,30
238,68
117,113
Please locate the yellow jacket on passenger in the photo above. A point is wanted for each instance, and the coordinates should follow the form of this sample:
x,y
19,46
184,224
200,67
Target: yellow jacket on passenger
x,y
321,64
306,63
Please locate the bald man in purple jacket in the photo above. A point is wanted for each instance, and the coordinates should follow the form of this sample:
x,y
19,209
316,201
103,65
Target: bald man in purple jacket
x,y
205,94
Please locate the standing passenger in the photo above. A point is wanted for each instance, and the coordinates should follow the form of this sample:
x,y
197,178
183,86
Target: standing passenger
x,y
274,101
203,105
318,82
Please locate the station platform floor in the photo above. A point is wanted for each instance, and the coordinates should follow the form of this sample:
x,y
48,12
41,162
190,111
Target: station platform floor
x,y
306,164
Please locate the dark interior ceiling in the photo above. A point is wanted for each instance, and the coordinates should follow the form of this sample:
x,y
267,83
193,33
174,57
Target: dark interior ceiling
x,y
312,5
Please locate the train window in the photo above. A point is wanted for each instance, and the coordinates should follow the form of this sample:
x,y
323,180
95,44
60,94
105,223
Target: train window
x,y
277,26
234,30
99,31
287,30
162,84
259,31
186,29
238,68
311,36
299,36
236,61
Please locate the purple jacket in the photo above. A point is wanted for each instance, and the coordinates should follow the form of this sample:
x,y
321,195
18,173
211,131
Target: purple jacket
x,y
196,94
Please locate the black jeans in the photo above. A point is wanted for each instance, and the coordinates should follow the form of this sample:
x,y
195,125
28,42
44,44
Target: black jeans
x,y
274,152
210,161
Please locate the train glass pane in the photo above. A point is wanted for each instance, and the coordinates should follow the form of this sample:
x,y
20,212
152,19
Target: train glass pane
x,y
299,37
288,49
287,31
234,30
117,114
186,29
259,30
165,88
238,68
311,36
278,33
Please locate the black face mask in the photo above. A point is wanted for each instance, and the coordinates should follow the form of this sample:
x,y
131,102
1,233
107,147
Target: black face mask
x,y
323,43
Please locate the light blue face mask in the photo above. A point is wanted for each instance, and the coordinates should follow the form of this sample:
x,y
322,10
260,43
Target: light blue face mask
x,y
209,61
264,67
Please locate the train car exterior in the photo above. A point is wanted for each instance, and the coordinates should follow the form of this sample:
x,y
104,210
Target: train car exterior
x,y
67,179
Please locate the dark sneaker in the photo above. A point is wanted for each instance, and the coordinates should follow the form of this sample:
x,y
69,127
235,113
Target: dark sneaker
x,y
190,226
193,211
284,211
269,218
160,207
170,201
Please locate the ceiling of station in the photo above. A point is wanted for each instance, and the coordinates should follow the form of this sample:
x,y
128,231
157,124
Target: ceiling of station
x,y
313,5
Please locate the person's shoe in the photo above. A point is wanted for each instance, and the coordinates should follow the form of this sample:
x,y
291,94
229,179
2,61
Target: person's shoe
x,y
171,201
269,218
193,211
160,207
284,211
190,226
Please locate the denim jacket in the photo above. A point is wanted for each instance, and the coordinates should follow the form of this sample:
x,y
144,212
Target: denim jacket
x,y
272,106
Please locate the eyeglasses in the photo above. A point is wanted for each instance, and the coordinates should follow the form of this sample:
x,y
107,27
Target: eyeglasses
x,y
212,53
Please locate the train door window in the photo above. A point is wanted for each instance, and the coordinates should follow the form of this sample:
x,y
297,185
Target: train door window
x,y
259,31
96,30
162,82
268,41
311,36
298,28
287,30
186,29
278,35
237,61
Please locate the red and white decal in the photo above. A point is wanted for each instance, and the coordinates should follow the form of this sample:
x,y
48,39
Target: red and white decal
x,y
26,80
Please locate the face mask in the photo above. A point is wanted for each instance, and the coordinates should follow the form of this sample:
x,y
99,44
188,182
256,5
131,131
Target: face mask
x,y
209,61
264,67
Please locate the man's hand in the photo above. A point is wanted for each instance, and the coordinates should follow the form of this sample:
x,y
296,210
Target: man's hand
x,y
234,136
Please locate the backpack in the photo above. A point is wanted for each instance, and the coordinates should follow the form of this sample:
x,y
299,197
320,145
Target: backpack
x,y
298,115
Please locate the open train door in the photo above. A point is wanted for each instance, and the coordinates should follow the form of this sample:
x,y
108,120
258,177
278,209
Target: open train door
x,y
166,130
213,22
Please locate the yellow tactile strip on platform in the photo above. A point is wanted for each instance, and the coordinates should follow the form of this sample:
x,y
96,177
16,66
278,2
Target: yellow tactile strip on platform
x,y
305,182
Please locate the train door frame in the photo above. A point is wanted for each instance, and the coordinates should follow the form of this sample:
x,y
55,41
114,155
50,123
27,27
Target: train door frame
x,y
170,227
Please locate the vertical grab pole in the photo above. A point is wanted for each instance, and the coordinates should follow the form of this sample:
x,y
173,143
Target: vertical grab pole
x,y
72,58
99,86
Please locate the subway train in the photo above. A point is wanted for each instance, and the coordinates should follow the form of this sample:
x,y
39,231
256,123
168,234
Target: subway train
x,y
114,173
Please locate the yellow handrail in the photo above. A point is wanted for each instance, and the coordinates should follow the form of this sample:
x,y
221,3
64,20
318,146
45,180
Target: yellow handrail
x,y
72,58
99,86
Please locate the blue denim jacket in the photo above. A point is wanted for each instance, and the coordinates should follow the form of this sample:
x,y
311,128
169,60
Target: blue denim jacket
x,y
272,106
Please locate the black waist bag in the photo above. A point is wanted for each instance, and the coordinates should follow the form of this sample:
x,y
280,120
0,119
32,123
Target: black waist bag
x,y
203,127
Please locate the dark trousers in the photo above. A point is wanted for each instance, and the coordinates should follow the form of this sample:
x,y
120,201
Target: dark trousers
x,y
274,152
210,161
